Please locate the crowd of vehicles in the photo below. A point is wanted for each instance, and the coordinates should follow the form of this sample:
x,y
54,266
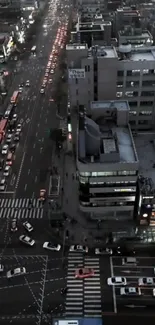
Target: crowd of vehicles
x,y
53,58
10,131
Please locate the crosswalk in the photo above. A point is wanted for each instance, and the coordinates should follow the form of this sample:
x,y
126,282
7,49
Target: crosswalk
x,y
20,209
83,298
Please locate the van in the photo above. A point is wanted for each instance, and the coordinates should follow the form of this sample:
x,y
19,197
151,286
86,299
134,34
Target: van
x,y
129,261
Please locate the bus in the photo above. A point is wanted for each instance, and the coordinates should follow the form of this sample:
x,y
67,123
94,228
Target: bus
x,y
3,124
33,50
14,97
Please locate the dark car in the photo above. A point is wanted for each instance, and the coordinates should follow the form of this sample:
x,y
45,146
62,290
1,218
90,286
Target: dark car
x,y
16,138
1,164
13,147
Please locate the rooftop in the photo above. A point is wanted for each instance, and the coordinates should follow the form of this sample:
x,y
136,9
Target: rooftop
x,y
106,136
131,32
104,51
76,46
145,146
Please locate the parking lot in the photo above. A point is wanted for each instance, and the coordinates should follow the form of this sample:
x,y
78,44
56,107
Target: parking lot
x,y
143,268
36,293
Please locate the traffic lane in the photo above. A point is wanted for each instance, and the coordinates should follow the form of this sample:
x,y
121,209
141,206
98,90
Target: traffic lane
x,y
106,291
35,172
140,271
141,261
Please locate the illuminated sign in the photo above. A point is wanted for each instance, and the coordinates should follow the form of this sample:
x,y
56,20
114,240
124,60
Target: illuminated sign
x,y
76,73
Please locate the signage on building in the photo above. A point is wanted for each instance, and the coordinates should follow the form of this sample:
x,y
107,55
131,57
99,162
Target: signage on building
x,y
76,73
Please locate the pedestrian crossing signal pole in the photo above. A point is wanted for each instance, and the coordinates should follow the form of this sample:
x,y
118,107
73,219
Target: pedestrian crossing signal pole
x,y
63,248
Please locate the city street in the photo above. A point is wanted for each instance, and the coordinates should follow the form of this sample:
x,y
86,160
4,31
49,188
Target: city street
x,y
138,304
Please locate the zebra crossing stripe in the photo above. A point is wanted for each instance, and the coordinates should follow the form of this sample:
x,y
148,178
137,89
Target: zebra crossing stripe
x,y
19,203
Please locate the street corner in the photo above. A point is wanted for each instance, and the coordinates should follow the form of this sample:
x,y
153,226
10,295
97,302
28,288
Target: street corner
x,y
138,295
21,296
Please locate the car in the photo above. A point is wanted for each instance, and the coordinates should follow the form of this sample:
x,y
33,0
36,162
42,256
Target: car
x,y
5,149
9,138
146,281
78,248
7,114
50,81
27,240
42,194
27,84
16,272
84,273
52,71
42,91
13,147
47,70
14,227
116,280
2,184
46,74
1,268
27,226
21,88
19,128
101,251
153,292
1,164
16,137
129,261
130,291
6,171
14,117
51,246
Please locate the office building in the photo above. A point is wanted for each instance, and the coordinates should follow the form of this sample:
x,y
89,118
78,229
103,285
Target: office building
x,y
135,36
92,33
126,17
107,73
107,162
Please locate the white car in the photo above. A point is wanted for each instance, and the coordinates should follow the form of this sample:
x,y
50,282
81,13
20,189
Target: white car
x,y
52,71
28,226
5,149
16,272
2,184
117,280
19,128
6,171
27,83
131,291
101,251
78,248
46,74
146,281
51,246
9,138
42,91
14,117
27,240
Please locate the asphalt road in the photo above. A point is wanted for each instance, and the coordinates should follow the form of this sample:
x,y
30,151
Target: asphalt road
x,y
37,115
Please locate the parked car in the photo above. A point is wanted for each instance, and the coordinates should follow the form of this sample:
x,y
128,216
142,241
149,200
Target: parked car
x,y
117,280
146,281
130,291
14,225
102,251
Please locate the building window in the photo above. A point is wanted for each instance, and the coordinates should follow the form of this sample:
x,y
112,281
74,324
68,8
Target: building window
x,y
133,104
119,84
148,83
130,84
135,72
144,122
145,113
131,93
146,103
133,113
129,73
146,71
120,73
88,68
119,94
76,81
147,93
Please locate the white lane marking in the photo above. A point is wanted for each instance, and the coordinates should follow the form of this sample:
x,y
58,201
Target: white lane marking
x,y
31,158
34,145
20,171
28,171
113,287
25,187
36,178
